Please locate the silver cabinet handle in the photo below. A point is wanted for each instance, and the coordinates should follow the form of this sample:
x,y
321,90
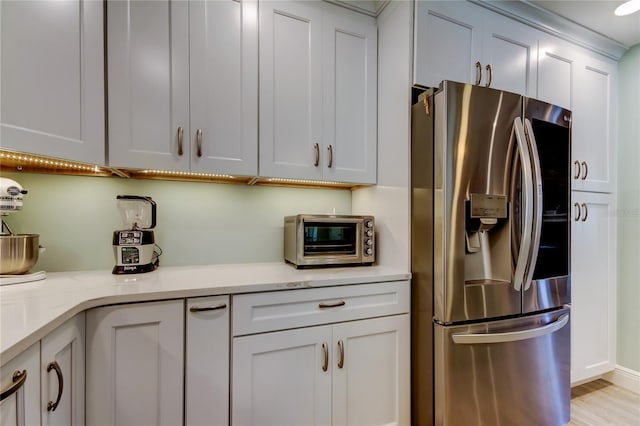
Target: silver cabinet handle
x,y
18,378
490,75
478,73
51,406
316,153
578,212
330,149
511,336
585,170
341,350
576,174
180,139
332,305
199,143
586,212
208,308
325,364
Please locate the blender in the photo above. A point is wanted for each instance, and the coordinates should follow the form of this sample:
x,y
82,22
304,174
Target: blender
x,y
134,248
18,252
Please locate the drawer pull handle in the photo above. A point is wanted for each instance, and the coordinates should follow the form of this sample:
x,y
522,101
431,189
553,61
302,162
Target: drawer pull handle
x,y
208,308
19,377
341,358
585,170
316,153
578,211
325,350
51,406
576,164
180,140
586,212
332,305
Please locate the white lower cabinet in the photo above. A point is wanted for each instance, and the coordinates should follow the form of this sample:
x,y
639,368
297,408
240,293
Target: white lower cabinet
x,y
135,364
53,391
207,361
62,366
20,385
593,286
339,373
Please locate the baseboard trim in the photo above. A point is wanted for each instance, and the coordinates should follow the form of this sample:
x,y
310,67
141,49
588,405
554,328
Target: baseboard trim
x,y
625,378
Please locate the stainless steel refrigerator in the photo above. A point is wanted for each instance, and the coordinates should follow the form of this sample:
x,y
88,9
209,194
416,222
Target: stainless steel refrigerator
x,y
490,178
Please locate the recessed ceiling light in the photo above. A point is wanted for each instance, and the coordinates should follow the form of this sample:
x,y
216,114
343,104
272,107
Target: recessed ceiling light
x,y
628,8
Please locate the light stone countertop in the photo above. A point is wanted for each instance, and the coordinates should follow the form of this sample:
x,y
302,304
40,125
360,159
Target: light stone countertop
x,y
30,311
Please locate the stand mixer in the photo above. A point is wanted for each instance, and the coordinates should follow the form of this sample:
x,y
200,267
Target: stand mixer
x,y
134,248
18,252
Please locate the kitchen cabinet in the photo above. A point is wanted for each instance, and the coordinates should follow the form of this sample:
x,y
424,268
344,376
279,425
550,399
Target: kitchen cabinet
x,y
593,286
463,42
297,359
207,361
62,366
182,83
318,92
593,130
135,361
21,407
52,79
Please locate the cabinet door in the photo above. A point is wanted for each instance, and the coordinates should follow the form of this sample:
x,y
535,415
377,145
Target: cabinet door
x,y
593,292
371,377
510,55
207,361
448,42
52,78
350,96
282,378
62,371
556,72
148,82
135,364
291,89
224,86
593,147
22,407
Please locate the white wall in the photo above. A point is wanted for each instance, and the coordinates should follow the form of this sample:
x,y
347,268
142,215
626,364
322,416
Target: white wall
x,y
628,346
389,200
198,223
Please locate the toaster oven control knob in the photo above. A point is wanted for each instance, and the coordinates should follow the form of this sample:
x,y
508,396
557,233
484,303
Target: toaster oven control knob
x,y
369,224
368,242
369,233
369,251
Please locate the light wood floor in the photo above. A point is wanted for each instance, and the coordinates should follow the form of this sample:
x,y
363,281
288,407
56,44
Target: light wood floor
x,y
600,403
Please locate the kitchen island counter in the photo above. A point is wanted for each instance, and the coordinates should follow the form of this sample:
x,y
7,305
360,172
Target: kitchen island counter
x,y
30,311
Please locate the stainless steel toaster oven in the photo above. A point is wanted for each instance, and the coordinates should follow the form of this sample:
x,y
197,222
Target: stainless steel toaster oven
x,y
329,240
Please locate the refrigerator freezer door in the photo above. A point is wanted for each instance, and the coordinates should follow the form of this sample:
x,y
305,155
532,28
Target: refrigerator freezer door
x,y
507,372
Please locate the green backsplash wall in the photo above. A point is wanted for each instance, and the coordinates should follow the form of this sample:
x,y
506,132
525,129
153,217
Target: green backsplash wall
x,y
197,223
628,347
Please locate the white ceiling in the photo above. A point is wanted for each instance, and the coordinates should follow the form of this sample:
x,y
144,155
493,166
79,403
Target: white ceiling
x,y
598,16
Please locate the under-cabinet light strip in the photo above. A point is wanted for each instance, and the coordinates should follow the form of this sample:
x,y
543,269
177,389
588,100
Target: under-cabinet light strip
x,y
49,162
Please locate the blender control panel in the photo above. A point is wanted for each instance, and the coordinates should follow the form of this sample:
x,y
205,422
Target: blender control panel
x,y
130,255
131,238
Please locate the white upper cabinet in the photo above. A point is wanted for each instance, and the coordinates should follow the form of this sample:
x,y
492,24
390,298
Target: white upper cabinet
x,y
318,81
593,134
463,42
182,80
52,78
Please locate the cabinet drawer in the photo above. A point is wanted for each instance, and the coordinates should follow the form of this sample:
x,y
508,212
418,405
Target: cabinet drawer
x,y
260,312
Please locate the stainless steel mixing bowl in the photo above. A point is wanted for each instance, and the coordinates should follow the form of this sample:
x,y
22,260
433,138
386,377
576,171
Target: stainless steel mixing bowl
x,y
18,253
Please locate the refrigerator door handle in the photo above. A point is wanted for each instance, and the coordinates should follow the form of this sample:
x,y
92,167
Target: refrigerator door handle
x,y
512,336
537,202
527,204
